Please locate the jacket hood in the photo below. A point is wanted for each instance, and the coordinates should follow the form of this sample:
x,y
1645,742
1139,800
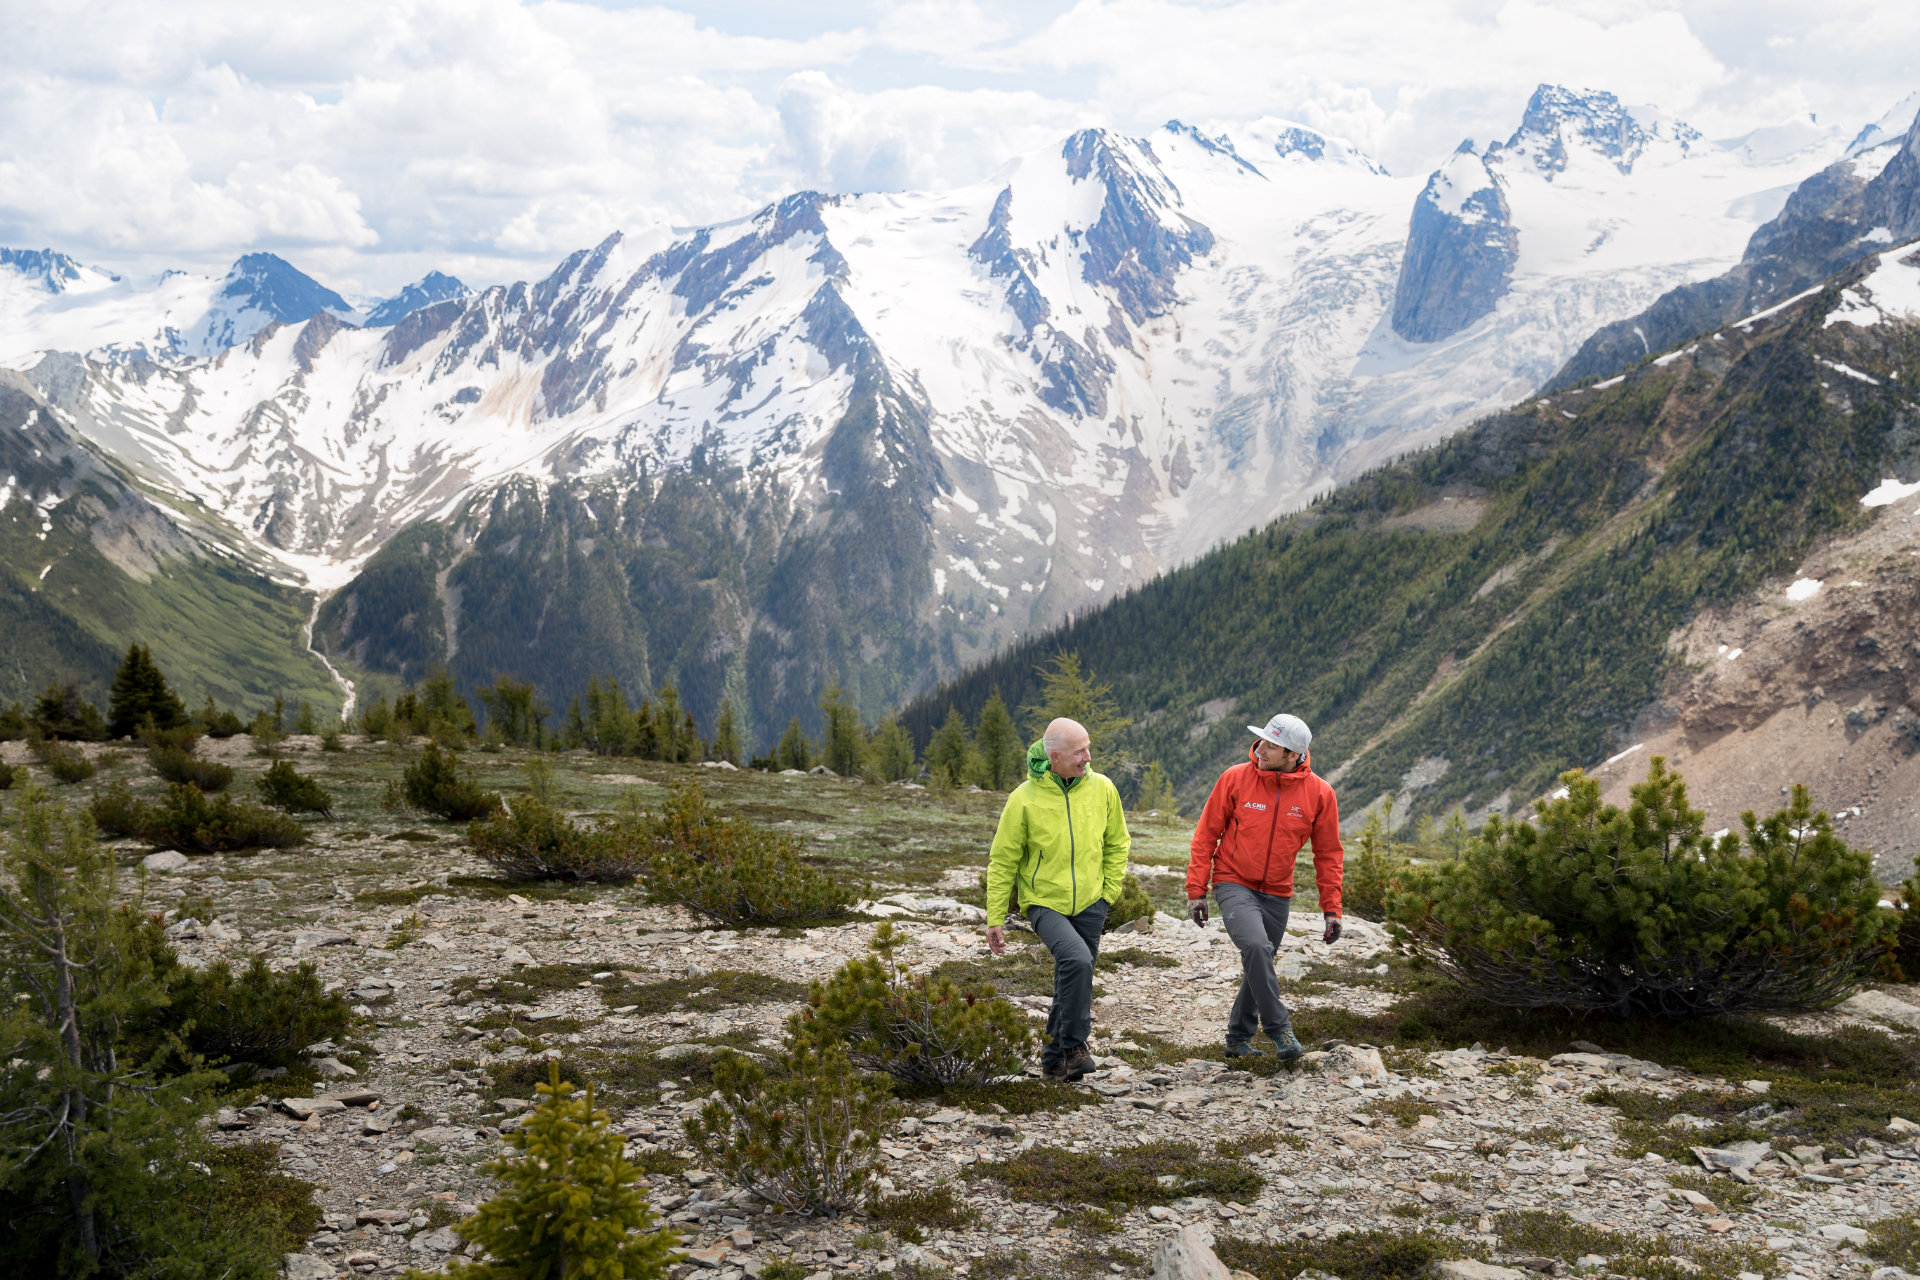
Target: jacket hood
x,y
1038,766
1306,763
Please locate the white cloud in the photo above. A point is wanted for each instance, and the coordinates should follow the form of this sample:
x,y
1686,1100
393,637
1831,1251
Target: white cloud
x,y
376,139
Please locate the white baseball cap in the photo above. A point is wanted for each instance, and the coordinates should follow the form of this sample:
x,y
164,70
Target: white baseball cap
x,y
1287,732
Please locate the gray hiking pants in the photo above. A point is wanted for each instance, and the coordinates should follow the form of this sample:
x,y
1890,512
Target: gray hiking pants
x,y
1075,943
1257,924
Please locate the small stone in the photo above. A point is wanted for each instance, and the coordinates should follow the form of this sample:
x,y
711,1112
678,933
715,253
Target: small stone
x,y
307,1108
1837,1231
333,1069
170,860
697,1177
741,1238
1756,1086
439,1240
358,1098
380,1217
709,1258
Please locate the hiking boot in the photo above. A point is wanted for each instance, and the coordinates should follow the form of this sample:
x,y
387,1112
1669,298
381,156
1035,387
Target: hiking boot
x,y
1076,1064
1052,1070
1286,1044
1244,1051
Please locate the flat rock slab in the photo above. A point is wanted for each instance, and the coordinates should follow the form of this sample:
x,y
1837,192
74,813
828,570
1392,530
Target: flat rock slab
x,y
440,1135
306,1108
304,1266
307,939
1468,1269
1877,1004
170,860
358,1098
381,1217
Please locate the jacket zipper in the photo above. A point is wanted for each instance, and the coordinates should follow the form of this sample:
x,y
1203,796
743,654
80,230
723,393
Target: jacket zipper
x,y
1273,820
1073,871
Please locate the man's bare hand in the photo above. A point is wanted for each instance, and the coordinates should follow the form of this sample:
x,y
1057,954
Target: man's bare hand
x,y
997,939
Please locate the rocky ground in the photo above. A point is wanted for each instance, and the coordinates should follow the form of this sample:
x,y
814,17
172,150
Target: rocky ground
x,y
464,986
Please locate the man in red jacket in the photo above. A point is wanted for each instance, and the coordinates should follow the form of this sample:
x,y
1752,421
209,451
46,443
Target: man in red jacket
x,y
1259,817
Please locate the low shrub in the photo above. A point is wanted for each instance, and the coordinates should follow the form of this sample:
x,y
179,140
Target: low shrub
x,y
68,765
219,722
285,788
1656,1256
916,1028
910,1214
118,812
534,841
804,1137
184,736
255,1015
1895,1241
1640,913
12,776
1351,1255
1121,1178
733,871
1134,903
179,764
434,783
188,821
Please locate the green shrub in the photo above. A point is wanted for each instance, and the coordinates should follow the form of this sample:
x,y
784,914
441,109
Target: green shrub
x,y
534,841
188,821
68,765
1363,892
14,724
568,1205
217,722
434,784
256,1015
910,1213
61,712
286,789
12,776
179,764
918,1029
1134,903
118,812
1121,1178
1640,913
804,1137
733,871
1351,1255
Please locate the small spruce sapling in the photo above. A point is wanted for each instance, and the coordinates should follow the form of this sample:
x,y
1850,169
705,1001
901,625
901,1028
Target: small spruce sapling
x,y
568,1205
914,1028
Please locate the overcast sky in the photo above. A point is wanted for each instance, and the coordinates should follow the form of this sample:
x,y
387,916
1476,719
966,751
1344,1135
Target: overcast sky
x,y
371,140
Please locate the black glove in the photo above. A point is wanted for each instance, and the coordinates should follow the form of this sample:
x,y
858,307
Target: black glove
x,y
1333,930
1197,910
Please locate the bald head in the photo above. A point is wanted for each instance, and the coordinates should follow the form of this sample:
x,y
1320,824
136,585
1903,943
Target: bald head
x,y
1067,746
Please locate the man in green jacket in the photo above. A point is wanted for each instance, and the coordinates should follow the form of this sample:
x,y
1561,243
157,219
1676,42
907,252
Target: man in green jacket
x,y
1063,842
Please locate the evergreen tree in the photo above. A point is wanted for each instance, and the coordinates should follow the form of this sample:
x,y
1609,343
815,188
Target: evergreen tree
x,y
1156,793
675,737
304,721
998,745
1068,690
892,750
514,708
950,754
446,713
569,1205
794,752
726,735
139,692
843,749
98,1153
61,712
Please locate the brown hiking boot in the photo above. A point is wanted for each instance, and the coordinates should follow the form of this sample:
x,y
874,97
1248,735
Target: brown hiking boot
x,y
1076,1064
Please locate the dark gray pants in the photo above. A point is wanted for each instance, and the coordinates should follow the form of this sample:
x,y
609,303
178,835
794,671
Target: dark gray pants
x,y
1075,943
1257,924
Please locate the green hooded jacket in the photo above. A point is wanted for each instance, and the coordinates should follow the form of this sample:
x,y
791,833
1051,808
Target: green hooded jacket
x,y
1063,840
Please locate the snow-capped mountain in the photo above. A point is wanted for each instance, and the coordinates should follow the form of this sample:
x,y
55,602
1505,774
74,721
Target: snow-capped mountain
x,y
424,292
1045,387
49,302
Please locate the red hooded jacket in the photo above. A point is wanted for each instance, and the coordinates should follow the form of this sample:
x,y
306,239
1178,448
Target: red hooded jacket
x,y
1255,824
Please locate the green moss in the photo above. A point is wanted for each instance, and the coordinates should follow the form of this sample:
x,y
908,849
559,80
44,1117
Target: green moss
x,y
1405,1109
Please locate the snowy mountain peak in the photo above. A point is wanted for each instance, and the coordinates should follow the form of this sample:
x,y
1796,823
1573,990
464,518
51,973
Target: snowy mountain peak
x,y
433,287
1461,250
1559,122
1221,145
271,284
1890,127
54,272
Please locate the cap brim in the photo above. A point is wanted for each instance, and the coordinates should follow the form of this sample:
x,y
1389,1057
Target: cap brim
x,y
1260,731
